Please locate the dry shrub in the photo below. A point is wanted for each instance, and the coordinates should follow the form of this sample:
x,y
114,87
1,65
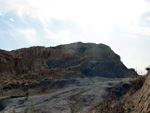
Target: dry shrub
x,y
111,104
137,83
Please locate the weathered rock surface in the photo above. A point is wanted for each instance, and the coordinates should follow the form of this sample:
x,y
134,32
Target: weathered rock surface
x,y
93,91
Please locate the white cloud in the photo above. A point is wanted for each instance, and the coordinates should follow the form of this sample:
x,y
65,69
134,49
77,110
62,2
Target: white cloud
x,y
148,18
29,35
1,13
62,36
11,19
148,1
101,15
84,12
135,31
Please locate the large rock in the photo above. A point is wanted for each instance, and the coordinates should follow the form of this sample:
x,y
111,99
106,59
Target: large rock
x,y
64,61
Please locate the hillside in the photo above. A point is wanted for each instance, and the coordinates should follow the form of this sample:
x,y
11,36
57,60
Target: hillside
x,y
60,71
32,69
66,61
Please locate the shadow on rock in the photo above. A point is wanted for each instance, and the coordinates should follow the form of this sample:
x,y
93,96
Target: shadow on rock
x,y
1,105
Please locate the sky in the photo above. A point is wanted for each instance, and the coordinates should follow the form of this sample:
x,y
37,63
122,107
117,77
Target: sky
x,y
124,25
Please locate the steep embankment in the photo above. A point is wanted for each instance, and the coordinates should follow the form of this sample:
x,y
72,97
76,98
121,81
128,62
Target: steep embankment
x,y
139,102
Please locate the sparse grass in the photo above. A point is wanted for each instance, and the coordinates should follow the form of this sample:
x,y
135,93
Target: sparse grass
x,y
137,83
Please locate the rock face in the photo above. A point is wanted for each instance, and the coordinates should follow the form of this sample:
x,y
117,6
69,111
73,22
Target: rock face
x,y
64,61
140,100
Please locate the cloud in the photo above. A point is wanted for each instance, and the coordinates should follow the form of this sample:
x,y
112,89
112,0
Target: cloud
x,y
94,18
30,35
142,29
1,13
136,31
148,1
11,19
81,11
62,36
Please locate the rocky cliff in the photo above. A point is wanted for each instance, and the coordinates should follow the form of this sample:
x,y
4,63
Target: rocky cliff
x,y
64,61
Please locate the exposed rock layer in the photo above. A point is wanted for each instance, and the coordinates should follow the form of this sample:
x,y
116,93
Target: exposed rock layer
x,y
64,61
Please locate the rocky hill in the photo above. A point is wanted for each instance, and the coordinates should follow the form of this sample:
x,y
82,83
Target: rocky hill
x,y
65,61
56,74
37,69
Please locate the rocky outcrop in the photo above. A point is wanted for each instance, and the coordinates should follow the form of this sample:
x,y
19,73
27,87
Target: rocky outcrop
x,y
64,61
139,102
